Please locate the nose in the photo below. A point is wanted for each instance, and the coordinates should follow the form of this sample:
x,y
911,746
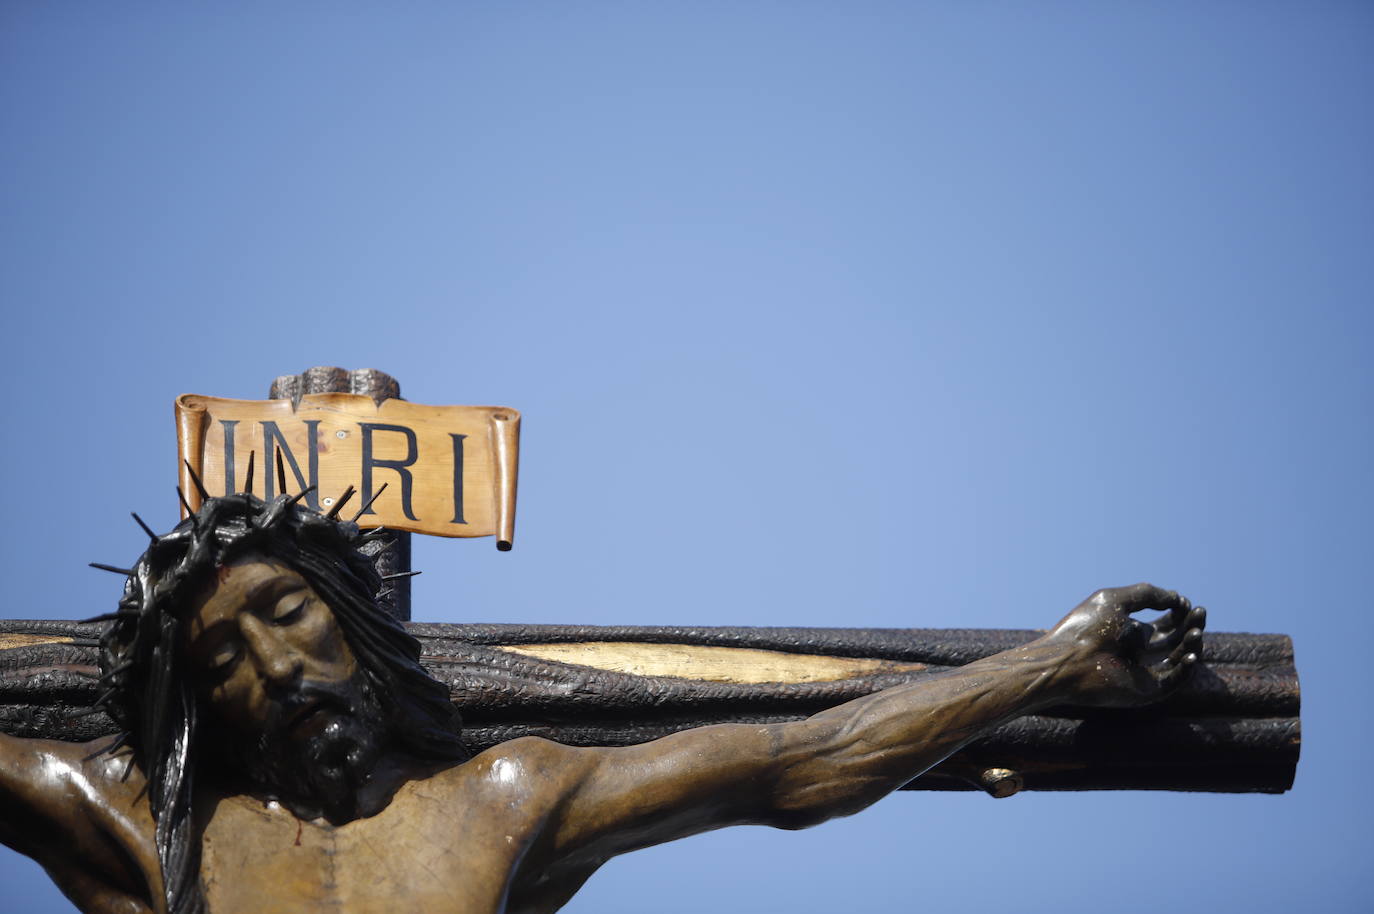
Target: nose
x,y
277,661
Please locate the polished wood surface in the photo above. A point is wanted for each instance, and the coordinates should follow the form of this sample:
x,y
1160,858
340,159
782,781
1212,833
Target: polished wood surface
x,y
351,440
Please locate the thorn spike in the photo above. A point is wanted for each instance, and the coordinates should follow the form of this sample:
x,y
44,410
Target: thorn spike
x,y
195,525
146,529
399,574
281,473
200,486
299,495
248,480
127,665
363,510
111,568
111,748
338,505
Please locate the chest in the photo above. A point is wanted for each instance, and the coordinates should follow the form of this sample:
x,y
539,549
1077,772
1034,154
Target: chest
x,y
419,854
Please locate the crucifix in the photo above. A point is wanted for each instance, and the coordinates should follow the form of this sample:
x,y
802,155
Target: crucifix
x,y
258,726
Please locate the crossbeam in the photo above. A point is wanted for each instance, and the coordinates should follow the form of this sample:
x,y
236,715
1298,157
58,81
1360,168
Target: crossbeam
x,y
1232,728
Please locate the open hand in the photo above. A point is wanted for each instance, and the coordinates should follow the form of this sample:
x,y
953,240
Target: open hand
x,y
1117,661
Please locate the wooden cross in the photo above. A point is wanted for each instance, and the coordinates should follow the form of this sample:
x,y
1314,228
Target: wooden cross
x,y
1234,726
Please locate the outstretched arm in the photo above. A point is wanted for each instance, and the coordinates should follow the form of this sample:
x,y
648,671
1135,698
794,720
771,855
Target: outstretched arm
x,y
792,775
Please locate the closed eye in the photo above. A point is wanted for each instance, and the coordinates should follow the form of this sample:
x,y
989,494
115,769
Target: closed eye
x,y
288,609
222,659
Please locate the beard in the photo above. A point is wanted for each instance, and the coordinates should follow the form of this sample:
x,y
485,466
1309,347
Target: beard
x,y
318,747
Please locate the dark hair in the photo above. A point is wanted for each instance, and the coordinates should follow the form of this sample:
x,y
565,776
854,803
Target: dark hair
x,y
151,694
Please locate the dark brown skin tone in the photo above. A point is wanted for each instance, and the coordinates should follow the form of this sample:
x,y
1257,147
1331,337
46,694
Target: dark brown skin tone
x,y
521,827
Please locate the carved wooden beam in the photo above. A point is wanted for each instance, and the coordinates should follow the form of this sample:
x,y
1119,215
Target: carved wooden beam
x,y
1234,726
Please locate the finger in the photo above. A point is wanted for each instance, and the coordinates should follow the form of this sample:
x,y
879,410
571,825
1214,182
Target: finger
x,y
1169,633
1181,612
1176,666
1165,626
1163,633
1171,674
1178,611
1189,646
1148,596
1136,638
1197,618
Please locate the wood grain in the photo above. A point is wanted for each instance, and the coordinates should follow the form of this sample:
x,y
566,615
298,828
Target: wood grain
x,y
334,440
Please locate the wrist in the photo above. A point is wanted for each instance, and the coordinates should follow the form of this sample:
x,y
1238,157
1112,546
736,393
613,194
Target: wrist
x,y
1063,669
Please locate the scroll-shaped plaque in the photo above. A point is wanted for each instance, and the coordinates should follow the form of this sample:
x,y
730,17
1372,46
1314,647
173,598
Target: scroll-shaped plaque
x,y
448,470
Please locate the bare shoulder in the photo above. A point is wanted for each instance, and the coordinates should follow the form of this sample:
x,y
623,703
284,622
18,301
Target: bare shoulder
x,y
81,812
529,764
36,771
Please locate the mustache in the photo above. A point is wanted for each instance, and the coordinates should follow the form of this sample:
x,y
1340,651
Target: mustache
x,y
305,698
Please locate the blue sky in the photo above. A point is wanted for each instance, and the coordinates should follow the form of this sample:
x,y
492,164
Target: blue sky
x,y
875,315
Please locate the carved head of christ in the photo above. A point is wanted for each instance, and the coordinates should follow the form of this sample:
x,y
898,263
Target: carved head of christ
x,y
249,641
279,682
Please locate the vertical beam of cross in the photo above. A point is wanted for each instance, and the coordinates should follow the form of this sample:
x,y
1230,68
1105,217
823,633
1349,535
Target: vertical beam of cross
x,y
391,551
